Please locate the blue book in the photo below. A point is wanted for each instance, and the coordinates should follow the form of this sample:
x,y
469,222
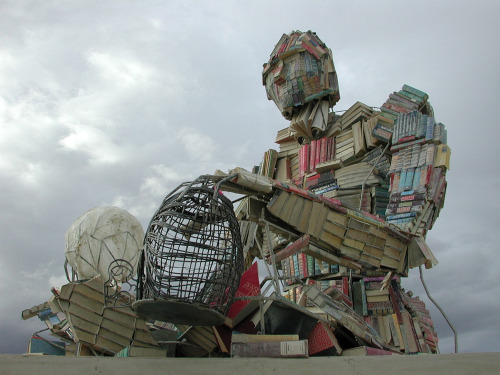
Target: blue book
x,y
417,92
406,215
40,345
422,126
430,128
317,268
402,180
414,98
416,178
409,179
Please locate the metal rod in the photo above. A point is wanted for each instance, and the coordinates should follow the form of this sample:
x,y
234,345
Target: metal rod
x,y
368,175
439,308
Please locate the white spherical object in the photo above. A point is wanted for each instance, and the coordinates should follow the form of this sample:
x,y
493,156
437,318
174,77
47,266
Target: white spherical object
x,y
104,237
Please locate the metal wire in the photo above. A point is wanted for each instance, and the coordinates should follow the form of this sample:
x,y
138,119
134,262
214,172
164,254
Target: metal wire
x,y
455,334
119,269
369,174
192,248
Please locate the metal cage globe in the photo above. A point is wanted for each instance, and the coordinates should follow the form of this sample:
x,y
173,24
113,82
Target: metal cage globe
x,y
104,241
192,259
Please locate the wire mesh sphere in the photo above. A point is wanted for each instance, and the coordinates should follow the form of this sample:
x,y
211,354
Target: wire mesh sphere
x,y
105,241
193,258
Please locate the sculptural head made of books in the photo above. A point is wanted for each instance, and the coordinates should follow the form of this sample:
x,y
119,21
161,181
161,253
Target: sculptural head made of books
x,y
299,74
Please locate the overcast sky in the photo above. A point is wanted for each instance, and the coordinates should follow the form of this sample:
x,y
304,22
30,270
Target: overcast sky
x,y
117,102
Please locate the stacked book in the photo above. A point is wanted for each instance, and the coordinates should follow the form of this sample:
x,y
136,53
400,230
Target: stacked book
x,y
418,172
268,165
381,128
87,318
417,127
347,236
424,326
342,216
356,175
353,197
405,100
357,112
400,320
380,200
321,183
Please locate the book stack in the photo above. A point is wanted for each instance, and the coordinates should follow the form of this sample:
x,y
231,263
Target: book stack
x,y
300,70
379,160
287,159
417,173
357,175
344,217
423,324
332,281
356,113
300,266
321,183
268,165
314,156
94,323
382,128
417,127
335,153
284,135
344,146
353,197
400,320
380,197
406,100
347,236
288,148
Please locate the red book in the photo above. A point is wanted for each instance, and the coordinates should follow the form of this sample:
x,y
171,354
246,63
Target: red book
x,y
293,248
406,139
323,156
318,153
312,180
310,50
249,286
395,108
312,153
345,285
303,160
322,338
332,148
305,268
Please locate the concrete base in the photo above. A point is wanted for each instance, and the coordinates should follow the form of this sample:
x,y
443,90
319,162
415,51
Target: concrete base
x,y
473,363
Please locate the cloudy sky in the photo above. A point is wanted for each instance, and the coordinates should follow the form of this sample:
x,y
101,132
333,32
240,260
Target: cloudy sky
x,y
117,102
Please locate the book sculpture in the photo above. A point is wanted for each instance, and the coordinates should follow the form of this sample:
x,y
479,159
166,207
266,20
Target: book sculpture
x,y
340,212
338,215
301,80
